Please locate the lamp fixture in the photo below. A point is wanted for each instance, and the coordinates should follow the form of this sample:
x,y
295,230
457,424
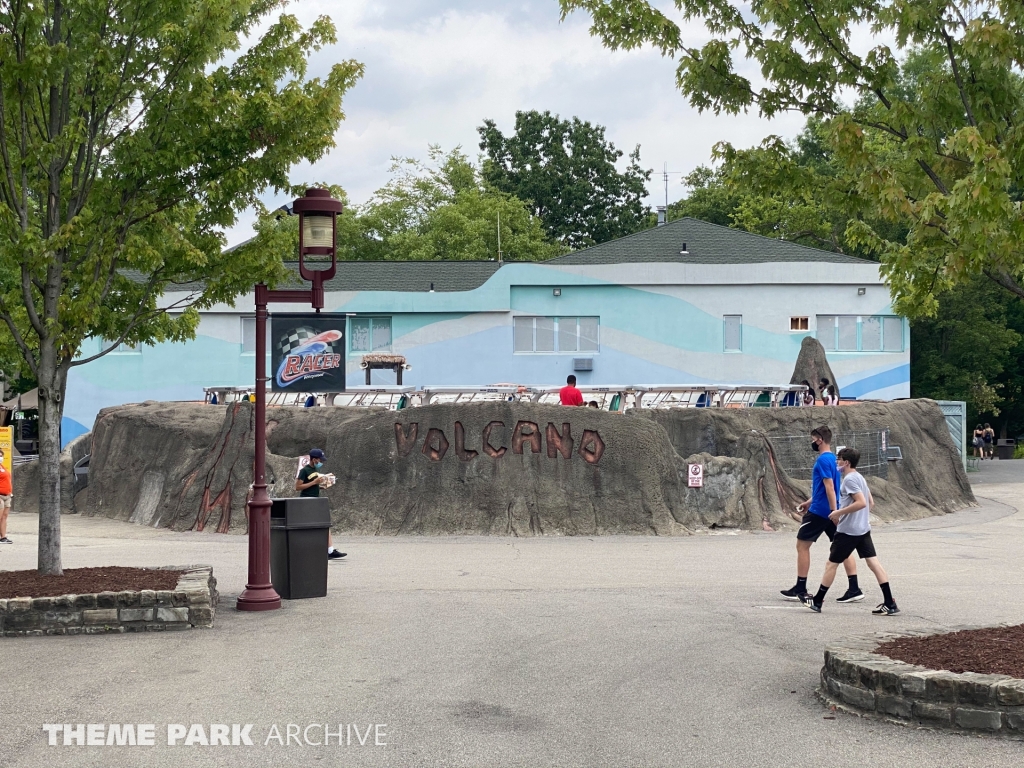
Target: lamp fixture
x,y
556,291
861,291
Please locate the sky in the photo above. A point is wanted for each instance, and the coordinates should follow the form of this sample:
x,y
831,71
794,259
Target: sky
x,y
435,69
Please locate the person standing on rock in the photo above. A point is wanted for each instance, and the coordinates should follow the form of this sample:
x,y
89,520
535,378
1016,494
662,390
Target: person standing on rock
x,y
308,484
569,395
816,511
853,534
6,494
828,393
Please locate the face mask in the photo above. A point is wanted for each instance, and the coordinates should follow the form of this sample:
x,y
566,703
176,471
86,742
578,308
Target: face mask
x,y
318,464
815,447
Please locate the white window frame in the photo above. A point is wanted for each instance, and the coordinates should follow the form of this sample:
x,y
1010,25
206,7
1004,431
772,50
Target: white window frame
x,y
242,322
557,325
725,325
860,337
371,318
124,348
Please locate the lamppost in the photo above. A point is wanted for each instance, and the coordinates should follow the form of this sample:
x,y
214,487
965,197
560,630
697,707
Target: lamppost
x,y
318,214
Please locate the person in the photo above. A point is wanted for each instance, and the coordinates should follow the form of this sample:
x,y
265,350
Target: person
x,y
310,402
308,484
815,521
569,395
828,393
593,404
853,534
6,494
807,398
978,442
989,439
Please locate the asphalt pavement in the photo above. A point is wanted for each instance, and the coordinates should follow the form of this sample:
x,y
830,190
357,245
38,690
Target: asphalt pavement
x,y
490,652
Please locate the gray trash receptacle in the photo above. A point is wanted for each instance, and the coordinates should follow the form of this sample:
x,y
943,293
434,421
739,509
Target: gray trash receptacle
x,y
298,546
1005,449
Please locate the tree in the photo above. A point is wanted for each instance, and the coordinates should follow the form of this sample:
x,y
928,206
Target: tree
x,y
961,353
932,141
566,170
128,142
970,350
443,209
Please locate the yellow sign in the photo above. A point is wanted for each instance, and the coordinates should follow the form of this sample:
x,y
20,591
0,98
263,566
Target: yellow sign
x,y
7,446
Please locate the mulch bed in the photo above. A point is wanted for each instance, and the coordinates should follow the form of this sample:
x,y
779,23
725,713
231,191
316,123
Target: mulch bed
x,y
85,581
992,651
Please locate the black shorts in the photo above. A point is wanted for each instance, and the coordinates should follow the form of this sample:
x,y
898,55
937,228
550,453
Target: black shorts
x,y
844,545
812,526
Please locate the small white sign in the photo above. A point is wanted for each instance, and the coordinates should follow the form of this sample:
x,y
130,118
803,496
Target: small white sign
x,y
303,461
696,476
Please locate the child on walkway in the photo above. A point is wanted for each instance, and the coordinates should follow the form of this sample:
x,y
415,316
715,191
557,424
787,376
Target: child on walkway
x,y
853,534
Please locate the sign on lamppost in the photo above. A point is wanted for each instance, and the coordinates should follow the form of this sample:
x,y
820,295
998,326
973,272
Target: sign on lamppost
x,y
307,353
318,214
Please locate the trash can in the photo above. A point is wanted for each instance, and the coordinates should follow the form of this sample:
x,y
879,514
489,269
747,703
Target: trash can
x,y
1005,448
298,546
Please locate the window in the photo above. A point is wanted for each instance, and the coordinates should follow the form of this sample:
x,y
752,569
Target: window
x,y
555,334
733,333
370,334
860,333
124,348
249,336
798,324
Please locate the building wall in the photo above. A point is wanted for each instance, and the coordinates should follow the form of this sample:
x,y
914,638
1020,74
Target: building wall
x,y
659,324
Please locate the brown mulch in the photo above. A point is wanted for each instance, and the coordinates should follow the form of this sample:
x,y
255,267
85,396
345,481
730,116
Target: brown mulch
x,y
85,581
992,651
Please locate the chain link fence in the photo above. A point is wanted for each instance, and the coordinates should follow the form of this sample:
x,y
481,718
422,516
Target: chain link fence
x,y
794,454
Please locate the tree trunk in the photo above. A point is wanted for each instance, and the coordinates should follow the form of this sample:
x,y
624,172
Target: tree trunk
x,y
52,378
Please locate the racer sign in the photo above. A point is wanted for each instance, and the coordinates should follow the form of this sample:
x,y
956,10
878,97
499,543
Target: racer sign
x,y
307,352
695,476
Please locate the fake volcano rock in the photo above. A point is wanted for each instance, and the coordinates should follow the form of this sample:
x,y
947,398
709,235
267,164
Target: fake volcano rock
x,y
812,366
501,468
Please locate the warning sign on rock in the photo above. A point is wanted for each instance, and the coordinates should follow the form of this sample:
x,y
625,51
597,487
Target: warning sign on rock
x,y
696,476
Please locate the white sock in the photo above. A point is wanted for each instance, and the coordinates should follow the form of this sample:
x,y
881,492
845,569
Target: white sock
x,y
329,550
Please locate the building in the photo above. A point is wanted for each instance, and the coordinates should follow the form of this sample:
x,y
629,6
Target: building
x,y
684,303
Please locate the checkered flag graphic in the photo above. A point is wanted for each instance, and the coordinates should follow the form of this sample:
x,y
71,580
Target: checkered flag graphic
x,y
296,338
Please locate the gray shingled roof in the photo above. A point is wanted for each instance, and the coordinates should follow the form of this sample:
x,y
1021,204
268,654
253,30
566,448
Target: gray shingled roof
x,y
384,276
705,244
407,275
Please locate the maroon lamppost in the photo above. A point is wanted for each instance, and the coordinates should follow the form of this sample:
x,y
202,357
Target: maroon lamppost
x,y
318,214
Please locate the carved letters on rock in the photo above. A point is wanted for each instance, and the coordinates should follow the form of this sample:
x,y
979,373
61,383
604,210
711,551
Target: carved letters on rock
x,y
526,433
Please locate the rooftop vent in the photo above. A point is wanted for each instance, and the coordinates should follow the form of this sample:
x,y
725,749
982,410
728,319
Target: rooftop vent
x,y
662,215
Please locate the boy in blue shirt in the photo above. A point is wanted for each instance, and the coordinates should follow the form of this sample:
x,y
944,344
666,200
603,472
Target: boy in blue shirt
x,y
816,510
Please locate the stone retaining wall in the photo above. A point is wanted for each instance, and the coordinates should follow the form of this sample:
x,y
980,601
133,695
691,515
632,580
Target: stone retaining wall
x,y
857,680
192,603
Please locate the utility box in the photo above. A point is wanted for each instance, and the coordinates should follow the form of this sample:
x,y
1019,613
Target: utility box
x,y
299,528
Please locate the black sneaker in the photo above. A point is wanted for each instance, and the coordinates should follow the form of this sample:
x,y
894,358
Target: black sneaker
x,y
816,607
5,540
793,593
886,610
851,596
335,555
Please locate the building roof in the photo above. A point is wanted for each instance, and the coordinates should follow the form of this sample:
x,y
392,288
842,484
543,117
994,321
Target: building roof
x,y
703,243
407,275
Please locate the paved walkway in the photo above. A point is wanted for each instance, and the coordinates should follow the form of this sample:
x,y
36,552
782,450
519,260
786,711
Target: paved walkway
x,y
618,651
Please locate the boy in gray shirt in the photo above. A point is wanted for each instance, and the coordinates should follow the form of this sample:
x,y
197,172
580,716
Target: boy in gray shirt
x,y
853,534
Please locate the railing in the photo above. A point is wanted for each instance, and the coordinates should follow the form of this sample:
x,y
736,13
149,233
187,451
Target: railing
x,y
611,397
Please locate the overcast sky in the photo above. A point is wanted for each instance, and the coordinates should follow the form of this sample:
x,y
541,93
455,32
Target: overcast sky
x,y
435,69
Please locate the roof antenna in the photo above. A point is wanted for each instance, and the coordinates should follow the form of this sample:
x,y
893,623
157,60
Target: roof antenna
x,y
499,237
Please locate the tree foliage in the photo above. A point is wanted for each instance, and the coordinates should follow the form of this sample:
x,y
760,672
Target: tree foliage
x,y
434,210
566,171
443,209
931,138
128,141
